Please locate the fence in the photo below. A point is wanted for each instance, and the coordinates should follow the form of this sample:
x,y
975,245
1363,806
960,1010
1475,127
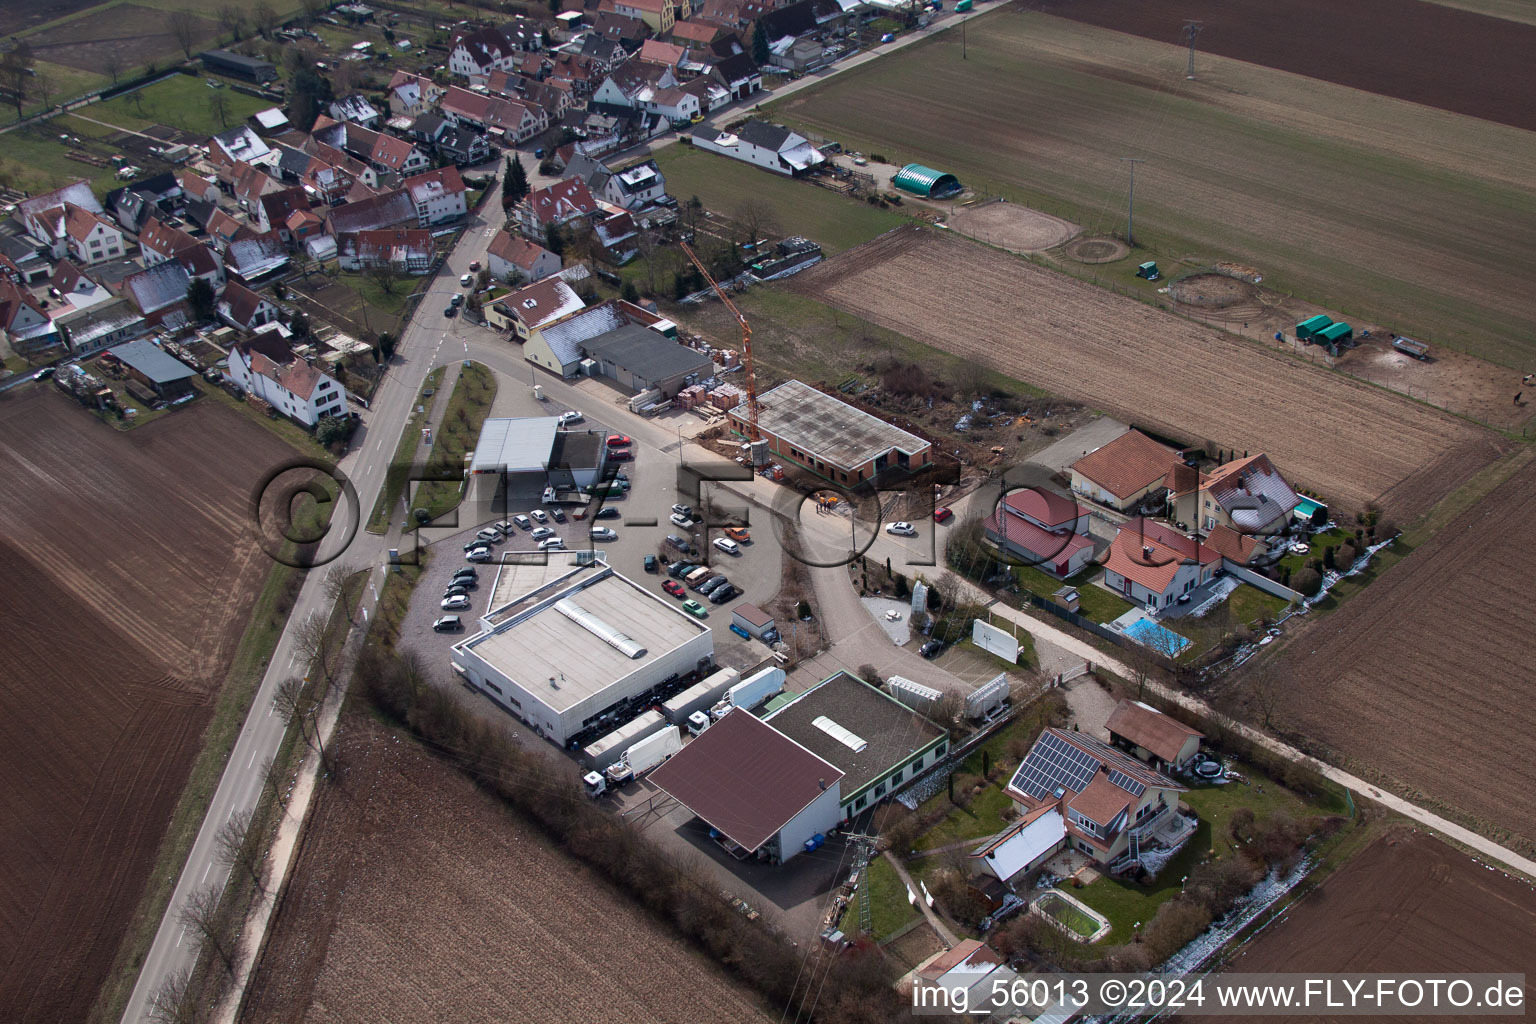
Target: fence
x,y
1265,584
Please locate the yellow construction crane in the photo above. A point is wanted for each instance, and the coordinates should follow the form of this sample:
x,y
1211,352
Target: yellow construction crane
x,y
746,342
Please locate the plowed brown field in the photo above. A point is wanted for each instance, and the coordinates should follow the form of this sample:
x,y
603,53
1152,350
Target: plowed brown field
x,y
1426,675
420,898
1351,442
1408,903
128,573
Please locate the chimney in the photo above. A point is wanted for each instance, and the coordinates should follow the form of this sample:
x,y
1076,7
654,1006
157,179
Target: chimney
x,y
553,684
1146,551
821,784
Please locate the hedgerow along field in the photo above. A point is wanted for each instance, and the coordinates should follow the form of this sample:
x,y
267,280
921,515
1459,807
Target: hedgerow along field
x,y
1408,216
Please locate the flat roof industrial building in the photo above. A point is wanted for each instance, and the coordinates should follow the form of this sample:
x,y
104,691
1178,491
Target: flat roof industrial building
x,y
521,456
564,655
812,429
876,742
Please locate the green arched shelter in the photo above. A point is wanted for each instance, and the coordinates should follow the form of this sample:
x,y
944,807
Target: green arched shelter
x,y
926,182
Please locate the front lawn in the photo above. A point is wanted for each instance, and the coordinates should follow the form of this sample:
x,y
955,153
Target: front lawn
x,y
373,294
180,101
1093,602
889,908
1248,603
1318,543
982,818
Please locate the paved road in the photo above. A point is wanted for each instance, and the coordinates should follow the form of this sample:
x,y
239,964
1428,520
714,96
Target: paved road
x,y
420,349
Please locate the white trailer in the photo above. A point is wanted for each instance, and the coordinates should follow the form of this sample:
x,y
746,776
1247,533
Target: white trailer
x,y
752,691
612,747
644,756
701,695
988,698
914,695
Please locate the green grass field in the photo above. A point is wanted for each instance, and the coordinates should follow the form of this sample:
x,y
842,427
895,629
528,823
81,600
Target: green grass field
x,y
889,908
1381,210
723,185
1067,914
181,101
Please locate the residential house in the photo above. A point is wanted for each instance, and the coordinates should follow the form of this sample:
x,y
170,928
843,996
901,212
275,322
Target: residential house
x,y
251,259
529,309
24,325
159,293
559,204
383,152
158,242
512,257
580,74
43,216
626,32
799,54
765,145
75,288
22,260
603,55
90,329
90,236
559,345
390,210
477,51
462,145
668,55
226,230
241,307
274,209
1125,472
1239,549
551,99
695,33
635,187
361,171
734,15
439,195
355,109
1112,805
738,75
1153,564
132,205
660,15
195,186
647,88
1148,735
429,126
407,251
265,366
617,235
412,95
302,225
248,184
1042,529
239,144
1248,495
971,974
1022,846
202,263
514,119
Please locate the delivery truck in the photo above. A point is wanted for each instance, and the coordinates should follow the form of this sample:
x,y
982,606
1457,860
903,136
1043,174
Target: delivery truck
x,y
751,692
612,747
638,759
700,696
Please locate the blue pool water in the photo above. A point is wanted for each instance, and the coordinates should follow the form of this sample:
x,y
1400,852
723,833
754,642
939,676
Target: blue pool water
x,y
1145,631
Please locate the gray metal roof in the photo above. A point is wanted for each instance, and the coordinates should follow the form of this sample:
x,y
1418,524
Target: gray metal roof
x,y
647,354
565,338
159,366
829,429
514,445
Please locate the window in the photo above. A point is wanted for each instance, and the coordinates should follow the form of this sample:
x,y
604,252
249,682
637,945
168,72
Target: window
x,y
880,790
1085,847
917,766
938,751
895,778
858,804
1210,522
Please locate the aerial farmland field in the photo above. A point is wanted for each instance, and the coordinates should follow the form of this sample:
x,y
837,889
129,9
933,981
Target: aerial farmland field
x,y
130,573
1408,216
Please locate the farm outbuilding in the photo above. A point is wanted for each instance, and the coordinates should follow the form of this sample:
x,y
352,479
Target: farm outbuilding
x,y
926,182
1336,334
1312,326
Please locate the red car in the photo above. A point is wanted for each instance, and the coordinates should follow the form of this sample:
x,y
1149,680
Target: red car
x,y
619,441
943,514
620,454
674,588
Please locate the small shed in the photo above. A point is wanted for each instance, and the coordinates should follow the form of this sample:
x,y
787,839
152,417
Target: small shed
x,y
151,366
752,619
1148,270
1311,326
1336,334
926,182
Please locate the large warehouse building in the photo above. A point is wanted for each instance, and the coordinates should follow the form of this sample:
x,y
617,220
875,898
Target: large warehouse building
x,y
523,456
565,655
829,437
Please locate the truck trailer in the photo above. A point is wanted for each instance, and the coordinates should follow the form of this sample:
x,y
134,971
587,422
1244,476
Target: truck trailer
x,y
638,759
751,692
612,747
700,695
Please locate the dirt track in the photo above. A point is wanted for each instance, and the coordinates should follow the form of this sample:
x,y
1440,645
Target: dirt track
x,y
1407,903
1426,675
1351,442
129,577
1409,49
420,898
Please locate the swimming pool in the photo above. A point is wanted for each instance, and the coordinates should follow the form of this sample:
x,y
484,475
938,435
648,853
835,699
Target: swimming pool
x,y
1150,634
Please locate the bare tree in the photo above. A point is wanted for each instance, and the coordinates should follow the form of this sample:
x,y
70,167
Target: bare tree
x,y
182,26
386,275
218,103
264,18
1266,691
272,780
295,701
317,643
756,217
343,78
232,20
173,1001
112,63
16,74
313,8
336,586
970,378
239,847
42,84
204,916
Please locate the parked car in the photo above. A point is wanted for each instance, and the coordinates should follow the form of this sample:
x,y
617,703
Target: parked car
x,y
448,624
469,572
604,533
674,588
463,583
901,529
619,441
570,416
538,515
490,533
712,584
650,563
551,544
727,545
474,542
454,590
457,300
677,569
725,593
931,649
478,555
540,532
679,543
607,512
467,280
451,312
695,609
523,521
681,520
505,527
943,515
454,603
474,264
620,455
558,515
683,510
889,37
738,534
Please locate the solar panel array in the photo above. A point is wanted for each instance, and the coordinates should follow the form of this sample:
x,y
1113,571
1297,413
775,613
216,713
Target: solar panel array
x,y
1054,762
1126,783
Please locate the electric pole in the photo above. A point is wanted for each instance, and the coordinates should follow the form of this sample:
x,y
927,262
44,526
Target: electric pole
x,y
1130,207
1191,30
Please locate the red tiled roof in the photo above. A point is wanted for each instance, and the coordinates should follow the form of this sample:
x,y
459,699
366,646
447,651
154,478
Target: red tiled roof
x,y
1150,553
562,201
515,249
242,302
745,778
1047,508
300,378
161,238
660,53
1046,545
79,222
1127,464
1230,544
1149,728
1101,800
